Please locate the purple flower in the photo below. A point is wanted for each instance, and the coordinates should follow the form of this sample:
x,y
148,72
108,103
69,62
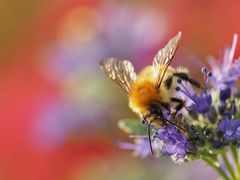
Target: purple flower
x,y
173,142
225,93
225,71
140,147
230,128
202,102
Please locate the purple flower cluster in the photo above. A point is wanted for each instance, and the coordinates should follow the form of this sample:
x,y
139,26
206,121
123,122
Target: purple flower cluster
x,y
200,103
173,142
168,139
229,127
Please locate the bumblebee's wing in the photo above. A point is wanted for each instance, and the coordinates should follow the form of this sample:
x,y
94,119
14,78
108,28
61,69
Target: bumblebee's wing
x,y
122,72
164,57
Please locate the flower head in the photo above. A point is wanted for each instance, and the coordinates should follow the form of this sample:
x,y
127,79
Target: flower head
x,y
173,142
230,128
200,103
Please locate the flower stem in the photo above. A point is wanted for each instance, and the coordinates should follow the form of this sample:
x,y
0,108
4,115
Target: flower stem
x,y
215,164
228,165
235,155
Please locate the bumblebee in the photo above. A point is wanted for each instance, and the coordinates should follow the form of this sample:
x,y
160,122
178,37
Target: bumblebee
x,y
152,90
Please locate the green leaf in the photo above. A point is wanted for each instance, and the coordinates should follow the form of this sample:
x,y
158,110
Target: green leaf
x,y
132,126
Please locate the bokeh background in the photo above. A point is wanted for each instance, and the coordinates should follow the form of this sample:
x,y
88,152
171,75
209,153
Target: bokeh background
x,y
59,112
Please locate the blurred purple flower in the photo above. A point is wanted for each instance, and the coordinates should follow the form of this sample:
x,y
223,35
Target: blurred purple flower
x,y
140,147
226,70
116,30
128,28
60,120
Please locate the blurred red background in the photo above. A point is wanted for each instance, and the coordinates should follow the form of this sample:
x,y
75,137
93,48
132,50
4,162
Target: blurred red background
x,y
58,115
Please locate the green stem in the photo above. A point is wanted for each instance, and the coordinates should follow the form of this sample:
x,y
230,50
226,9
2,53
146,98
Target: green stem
x,y
234,151
214,163
228,165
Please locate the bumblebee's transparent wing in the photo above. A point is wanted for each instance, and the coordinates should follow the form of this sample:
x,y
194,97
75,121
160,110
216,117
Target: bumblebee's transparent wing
x,y
164,57
122,72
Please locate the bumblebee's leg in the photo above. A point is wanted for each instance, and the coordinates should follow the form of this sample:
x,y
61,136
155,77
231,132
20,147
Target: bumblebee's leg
x,y
155,110
149,136
149,133
180,104
185,77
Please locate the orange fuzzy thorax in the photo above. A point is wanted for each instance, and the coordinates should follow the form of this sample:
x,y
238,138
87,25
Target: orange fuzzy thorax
x,y
144,91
